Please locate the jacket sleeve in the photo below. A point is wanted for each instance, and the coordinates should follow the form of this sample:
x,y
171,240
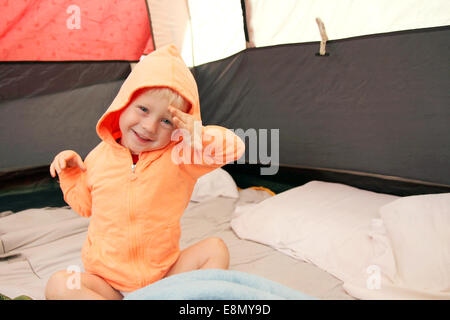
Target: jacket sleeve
x,y
218,147
77,194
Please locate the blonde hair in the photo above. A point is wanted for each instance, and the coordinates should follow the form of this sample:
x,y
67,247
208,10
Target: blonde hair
x,y
174,98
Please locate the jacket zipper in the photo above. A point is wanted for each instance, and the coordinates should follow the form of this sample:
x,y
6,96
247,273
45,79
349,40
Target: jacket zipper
x,y
135,251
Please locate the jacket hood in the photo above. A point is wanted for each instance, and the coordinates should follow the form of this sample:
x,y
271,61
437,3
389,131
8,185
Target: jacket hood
x,y
163,67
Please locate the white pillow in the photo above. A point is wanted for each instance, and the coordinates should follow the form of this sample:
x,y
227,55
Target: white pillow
x,y
419,230
214,184
320,222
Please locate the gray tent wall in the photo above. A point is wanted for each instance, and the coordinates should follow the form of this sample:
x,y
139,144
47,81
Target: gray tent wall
x,y
47,107
377,104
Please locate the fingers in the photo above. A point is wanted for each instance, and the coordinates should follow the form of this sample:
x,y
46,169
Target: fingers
x,y
66,159
80,163
181,119
72,159
186,121
179,123
62,163
177,113
52,170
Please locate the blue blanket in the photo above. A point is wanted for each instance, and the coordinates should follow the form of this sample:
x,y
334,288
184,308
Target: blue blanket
x,y
216,284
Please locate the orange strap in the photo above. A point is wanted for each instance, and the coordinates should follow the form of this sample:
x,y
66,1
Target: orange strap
x,y
265,189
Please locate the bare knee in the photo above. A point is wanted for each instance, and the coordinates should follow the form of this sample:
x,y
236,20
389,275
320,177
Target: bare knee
x,y
217,243
219,250
56,287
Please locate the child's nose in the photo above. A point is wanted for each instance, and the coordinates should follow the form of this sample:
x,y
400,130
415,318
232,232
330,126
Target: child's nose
x,y
150,125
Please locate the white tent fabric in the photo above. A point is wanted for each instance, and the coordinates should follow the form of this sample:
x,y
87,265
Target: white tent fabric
x,y
203,30
210,30
292,21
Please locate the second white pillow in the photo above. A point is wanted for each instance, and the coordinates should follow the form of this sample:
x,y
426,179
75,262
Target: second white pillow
x,y
320,222
419,229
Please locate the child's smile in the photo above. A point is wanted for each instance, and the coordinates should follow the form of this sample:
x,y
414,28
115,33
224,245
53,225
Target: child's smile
x,y
141,138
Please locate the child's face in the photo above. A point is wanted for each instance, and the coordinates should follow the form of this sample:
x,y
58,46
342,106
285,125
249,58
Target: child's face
x,y
146,124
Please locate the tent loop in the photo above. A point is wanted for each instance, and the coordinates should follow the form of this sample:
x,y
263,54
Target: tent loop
x,y
323,35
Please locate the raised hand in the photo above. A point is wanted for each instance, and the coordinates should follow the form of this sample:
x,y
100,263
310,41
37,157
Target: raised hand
x,y
183,120
66,159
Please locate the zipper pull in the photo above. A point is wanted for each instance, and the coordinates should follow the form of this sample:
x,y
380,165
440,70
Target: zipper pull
x,y
133,175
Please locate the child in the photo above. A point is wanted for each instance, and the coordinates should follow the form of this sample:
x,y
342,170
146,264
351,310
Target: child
x,y
134,186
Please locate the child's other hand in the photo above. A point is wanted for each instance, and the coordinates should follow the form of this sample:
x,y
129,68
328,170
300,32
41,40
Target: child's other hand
x,y
66,159
183,120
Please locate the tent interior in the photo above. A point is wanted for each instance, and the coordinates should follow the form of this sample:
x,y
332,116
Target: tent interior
x,y
344,189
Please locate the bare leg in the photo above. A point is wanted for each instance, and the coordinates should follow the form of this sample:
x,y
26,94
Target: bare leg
x,y
210,253
90,287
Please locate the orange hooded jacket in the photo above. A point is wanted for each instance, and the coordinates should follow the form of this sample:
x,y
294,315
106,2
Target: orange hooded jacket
x,y
134,231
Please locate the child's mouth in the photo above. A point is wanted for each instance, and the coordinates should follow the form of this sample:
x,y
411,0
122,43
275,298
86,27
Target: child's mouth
x,y
141,139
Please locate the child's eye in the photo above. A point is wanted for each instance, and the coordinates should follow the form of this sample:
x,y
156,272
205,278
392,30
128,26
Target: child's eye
x,y
167,122
144,109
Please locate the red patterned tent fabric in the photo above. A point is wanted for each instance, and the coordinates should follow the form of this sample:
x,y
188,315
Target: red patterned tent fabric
x,y
67,30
